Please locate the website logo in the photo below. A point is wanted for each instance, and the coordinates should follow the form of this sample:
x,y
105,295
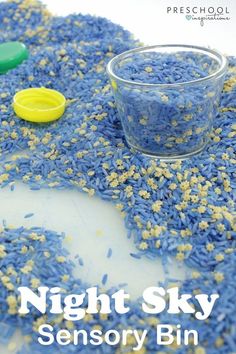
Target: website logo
x,y
201,14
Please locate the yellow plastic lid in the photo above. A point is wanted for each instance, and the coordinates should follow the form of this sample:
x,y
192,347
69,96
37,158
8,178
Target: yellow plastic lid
x,y
39,105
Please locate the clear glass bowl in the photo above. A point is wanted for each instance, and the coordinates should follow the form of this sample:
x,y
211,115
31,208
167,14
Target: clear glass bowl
x,y
168,117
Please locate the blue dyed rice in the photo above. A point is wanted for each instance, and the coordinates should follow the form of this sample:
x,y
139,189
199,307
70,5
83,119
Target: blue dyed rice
x,y
29,215
109,253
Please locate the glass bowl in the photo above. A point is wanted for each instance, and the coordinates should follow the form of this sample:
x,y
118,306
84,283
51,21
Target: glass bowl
x,y
167,97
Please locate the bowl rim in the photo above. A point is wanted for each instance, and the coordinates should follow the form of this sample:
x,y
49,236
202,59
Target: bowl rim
x,y
218,73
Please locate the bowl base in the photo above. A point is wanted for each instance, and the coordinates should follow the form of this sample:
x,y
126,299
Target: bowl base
x,y
169,158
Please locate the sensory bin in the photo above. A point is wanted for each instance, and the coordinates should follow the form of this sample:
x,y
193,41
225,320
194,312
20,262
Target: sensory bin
x,y
184,209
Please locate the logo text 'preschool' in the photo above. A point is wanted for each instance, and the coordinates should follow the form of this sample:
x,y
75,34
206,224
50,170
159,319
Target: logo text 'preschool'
x,y
201,13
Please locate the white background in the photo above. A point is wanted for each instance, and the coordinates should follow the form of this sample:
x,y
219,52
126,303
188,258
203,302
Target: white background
x,y
149,21
93,225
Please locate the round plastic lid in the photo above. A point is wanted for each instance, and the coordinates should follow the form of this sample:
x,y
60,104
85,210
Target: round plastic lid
x,y
11,55
39,105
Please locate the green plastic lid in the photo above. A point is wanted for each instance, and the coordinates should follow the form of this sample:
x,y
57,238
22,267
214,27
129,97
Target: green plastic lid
x,y
11,55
